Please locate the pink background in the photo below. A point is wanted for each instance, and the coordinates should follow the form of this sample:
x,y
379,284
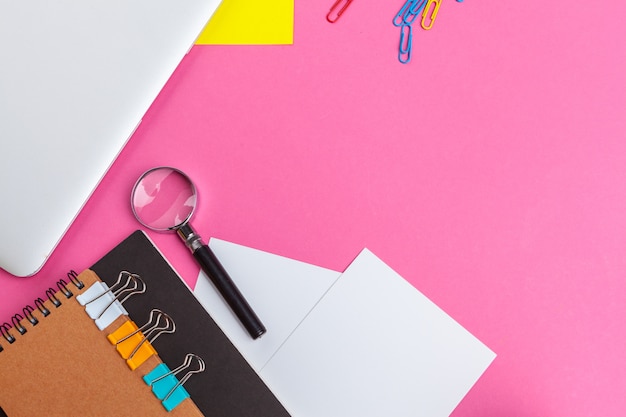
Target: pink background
x,y
490,172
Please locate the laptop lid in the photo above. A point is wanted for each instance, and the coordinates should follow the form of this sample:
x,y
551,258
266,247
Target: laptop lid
x,y
75,80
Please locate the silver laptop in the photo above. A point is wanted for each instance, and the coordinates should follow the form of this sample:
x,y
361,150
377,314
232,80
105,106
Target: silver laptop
x,y
76,77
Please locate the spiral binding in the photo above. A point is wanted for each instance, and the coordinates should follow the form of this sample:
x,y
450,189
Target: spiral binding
x,y
27,312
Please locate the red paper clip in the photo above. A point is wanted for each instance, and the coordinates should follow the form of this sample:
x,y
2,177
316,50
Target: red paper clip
x,y
336,11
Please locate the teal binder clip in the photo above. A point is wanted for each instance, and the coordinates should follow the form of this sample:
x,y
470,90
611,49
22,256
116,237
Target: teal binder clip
x,y
166,387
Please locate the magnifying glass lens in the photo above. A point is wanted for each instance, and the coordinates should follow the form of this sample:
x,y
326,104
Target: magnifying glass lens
x,y
163,199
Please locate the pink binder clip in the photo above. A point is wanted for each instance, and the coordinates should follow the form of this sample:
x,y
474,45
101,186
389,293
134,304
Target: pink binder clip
x,y
337,10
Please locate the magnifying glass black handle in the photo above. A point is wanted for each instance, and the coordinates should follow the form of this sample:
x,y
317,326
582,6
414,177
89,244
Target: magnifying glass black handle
x,y
222,281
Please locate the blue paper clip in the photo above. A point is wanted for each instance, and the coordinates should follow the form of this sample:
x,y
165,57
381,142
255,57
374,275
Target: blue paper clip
x,y
404,20
399,19
418,7
406,43
409,12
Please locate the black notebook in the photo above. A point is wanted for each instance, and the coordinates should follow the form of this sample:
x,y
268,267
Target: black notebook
x,y
229,386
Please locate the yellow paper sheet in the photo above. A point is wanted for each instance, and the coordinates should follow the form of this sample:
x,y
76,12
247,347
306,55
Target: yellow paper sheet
x,y
250,22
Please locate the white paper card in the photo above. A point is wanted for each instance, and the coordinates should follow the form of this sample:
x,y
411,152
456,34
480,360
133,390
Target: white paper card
x,y
375,346
363,343
281,291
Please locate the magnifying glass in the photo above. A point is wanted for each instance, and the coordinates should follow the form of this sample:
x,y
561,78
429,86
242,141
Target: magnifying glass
x,y
164,199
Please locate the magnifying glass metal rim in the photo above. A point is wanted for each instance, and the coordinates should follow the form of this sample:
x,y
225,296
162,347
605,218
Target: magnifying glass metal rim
x,y
142,177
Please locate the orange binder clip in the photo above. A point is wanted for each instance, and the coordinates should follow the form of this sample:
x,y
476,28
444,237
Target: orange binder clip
x,y
429,16
135,343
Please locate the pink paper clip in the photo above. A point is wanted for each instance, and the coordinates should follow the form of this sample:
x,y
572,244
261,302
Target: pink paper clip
x,y
337,10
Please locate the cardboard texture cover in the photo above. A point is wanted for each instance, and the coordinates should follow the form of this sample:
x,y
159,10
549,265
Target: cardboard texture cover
x,y
229,386
64,366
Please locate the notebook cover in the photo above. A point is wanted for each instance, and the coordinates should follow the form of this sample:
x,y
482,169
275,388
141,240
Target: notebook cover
x,y
64,366
229,386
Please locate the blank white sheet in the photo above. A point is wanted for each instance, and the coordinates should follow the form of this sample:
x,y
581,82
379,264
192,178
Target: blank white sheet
x,y
281,291
362,343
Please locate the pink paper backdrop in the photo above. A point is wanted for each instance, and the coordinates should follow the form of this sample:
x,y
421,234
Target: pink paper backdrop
x,y
489,172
